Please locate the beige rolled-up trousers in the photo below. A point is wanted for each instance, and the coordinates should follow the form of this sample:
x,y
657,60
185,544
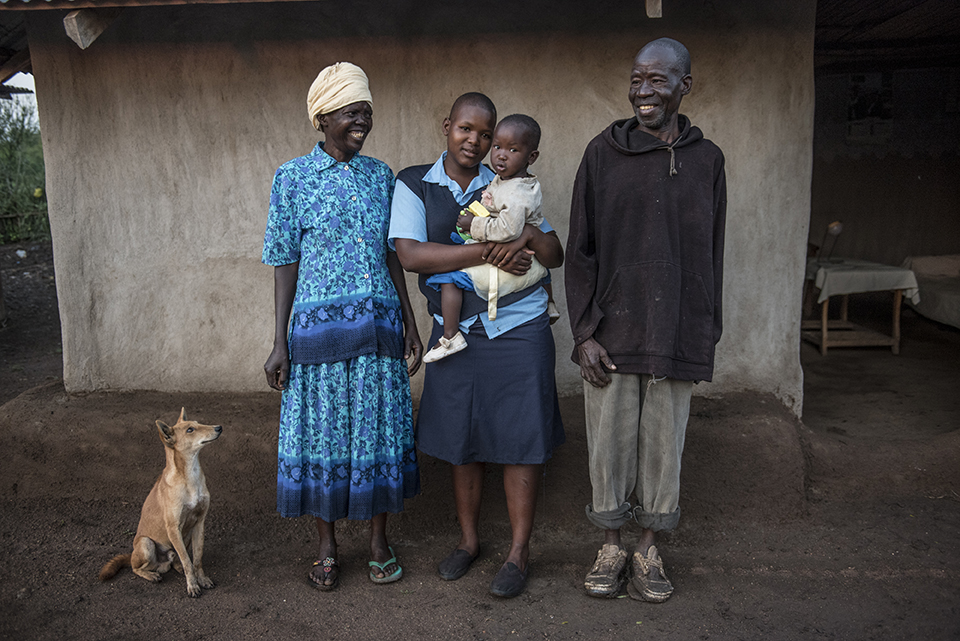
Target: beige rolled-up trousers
x,y
635,431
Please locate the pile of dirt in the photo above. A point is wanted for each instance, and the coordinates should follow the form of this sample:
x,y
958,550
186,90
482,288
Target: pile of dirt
x,y
63,445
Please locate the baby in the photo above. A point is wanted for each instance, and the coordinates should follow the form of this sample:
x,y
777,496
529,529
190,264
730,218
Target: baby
x,y
511,200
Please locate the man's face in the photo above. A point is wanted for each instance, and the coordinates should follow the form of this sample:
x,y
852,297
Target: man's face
x,y
657,85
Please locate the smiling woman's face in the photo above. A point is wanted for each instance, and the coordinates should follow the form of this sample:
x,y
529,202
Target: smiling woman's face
x,y
469,131
346,129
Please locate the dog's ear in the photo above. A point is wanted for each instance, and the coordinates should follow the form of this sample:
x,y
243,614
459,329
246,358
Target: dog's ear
x,y
183,415
166,434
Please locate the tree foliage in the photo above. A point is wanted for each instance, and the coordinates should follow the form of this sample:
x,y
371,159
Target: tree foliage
x,y
23,201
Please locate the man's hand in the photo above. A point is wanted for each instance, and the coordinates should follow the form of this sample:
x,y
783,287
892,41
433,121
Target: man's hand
x,y
593,357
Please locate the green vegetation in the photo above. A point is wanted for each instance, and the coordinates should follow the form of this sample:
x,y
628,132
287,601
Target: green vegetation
x,y
23,200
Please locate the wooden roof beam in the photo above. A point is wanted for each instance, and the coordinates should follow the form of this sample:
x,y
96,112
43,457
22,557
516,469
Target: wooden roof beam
x,y
20,62
41,5
83,26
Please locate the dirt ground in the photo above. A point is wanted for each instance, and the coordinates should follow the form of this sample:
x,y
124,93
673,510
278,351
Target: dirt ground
x,y
843,526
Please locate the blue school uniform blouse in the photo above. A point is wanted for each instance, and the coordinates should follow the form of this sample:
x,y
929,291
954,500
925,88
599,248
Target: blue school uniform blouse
x,y
333,218
408,220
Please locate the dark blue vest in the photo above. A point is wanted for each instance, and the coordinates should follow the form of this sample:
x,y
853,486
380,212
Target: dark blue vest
x,y
442,210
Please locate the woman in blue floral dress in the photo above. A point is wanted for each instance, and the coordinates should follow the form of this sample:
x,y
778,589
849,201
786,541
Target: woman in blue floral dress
x,y
346,447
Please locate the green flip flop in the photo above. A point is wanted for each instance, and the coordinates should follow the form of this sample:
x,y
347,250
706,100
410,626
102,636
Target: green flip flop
x,y
389,578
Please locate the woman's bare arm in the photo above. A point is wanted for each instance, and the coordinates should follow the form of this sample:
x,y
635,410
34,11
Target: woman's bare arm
x,y
412,346
436,258
277,367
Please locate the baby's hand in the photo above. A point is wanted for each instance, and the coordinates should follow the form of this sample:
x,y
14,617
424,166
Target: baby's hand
x,y
464,220
486,199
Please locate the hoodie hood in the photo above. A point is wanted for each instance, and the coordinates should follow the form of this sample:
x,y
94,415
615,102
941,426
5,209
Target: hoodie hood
x,y
624,136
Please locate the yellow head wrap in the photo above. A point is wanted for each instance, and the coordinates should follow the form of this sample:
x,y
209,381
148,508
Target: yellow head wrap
x,y
337,86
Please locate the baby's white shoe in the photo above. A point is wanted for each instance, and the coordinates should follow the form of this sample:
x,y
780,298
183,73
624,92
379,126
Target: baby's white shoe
x,y
446,347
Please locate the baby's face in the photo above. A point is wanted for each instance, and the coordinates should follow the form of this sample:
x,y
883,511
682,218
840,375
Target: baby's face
x,y
511,151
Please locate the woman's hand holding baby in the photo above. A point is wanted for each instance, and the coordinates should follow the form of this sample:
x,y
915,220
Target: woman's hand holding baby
x,y
512,257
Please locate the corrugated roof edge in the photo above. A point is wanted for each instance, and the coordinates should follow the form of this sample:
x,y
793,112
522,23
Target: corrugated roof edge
x,y
22,5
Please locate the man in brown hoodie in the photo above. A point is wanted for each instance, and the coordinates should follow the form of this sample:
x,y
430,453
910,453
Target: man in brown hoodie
x,y
643,278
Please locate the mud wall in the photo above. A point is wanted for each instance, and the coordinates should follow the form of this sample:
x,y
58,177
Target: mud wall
x,y
162,138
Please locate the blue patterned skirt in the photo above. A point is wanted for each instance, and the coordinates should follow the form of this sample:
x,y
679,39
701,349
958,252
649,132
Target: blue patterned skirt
x,y
346,440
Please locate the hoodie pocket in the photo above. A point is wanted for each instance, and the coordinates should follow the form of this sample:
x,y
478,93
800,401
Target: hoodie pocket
x,y
659,309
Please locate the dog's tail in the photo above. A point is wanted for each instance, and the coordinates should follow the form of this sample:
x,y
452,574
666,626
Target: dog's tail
x,y
113,566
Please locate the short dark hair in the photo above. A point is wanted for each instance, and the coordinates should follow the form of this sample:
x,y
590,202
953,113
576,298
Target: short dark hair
x,y
683,56
529,127
474,99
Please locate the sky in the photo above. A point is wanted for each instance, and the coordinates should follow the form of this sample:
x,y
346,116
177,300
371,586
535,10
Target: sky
x,y
25,81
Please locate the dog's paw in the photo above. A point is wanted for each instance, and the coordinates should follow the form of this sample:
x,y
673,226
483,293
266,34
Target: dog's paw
x,y
206,582
193,590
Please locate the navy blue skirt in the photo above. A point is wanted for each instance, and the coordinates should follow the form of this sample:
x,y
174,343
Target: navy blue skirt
x,y
494,402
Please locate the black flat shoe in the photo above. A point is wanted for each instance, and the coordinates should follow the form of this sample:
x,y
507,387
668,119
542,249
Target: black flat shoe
x,y
510,581
456,564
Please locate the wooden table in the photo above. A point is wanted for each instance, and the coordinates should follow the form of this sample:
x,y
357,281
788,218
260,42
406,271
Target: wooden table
x,y
842,277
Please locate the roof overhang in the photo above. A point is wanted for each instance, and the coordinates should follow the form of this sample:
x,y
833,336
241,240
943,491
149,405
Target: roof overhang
x,y
85,20
25,5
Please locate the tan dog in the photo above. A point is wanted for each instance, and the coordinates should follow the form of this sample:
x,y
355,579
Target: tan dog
x,y
174,512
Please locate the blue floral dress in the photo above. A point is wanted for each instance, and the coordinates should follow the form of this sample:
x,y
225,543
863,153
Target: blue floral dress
x,y
346,446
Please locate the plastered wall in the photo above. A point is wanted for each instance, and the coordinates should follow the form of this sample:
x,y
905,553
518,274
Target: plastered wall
x,y
162,138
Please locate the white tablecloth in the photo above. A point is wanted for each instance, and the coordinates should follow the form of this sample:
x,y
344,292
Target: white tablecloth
x,y
851,276
939,280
